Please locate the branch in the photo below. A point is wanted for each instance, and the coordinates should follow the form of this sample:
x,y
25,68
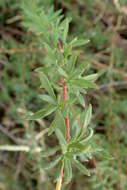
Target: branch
x,y
15,148
12,137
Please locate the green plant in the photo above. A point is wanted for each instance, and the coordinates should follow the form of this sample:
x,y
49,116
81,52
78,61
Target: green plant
x,y
104,24
62,78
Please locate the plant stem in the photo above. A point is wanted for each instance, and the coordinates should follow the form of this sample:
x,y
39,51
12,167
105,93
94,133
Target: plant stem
x,y
67,128
64,95
59,181
66,119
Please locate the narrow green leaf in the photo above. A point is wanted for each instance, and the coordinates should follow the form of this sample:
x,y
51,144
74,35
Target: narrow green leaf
x,y
61,140
79,42
81,99
75,130
78,131
52,127
46,84
42,113
47,98
84,140
81,82
52,164
92,77
58,122
81,167
77,148
65,25
67,170
55,14
76,145
62,72
88,116
78,71
71,63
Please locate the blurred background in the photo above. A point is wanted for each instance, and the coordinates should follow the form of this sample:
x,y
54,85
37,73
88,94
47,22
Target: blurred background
x,y
104,22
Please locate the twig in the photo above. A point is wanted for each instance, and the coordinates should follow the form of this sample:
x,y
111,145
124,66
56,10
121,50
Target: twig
x,y
42,133
15,148
9,135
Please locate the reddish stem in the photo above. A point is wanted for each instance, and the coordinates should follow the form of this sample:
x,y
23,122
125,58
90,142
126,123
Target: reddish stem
x,y
64,96
63,90
67,128
59,47
66,119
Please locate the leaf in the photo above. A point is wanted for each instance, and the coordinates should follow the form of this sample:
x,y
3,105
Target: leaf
x,y
65,25
79,42
91,77
77,148
58,122
88,116
78,71
75,130
81,99
80,151
55,14
47,98
67,170
34,18
76,145
82,168
71,63
52,127
49,151
62,72
42,113
52,164
61,140
46,84
84,140
81,82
